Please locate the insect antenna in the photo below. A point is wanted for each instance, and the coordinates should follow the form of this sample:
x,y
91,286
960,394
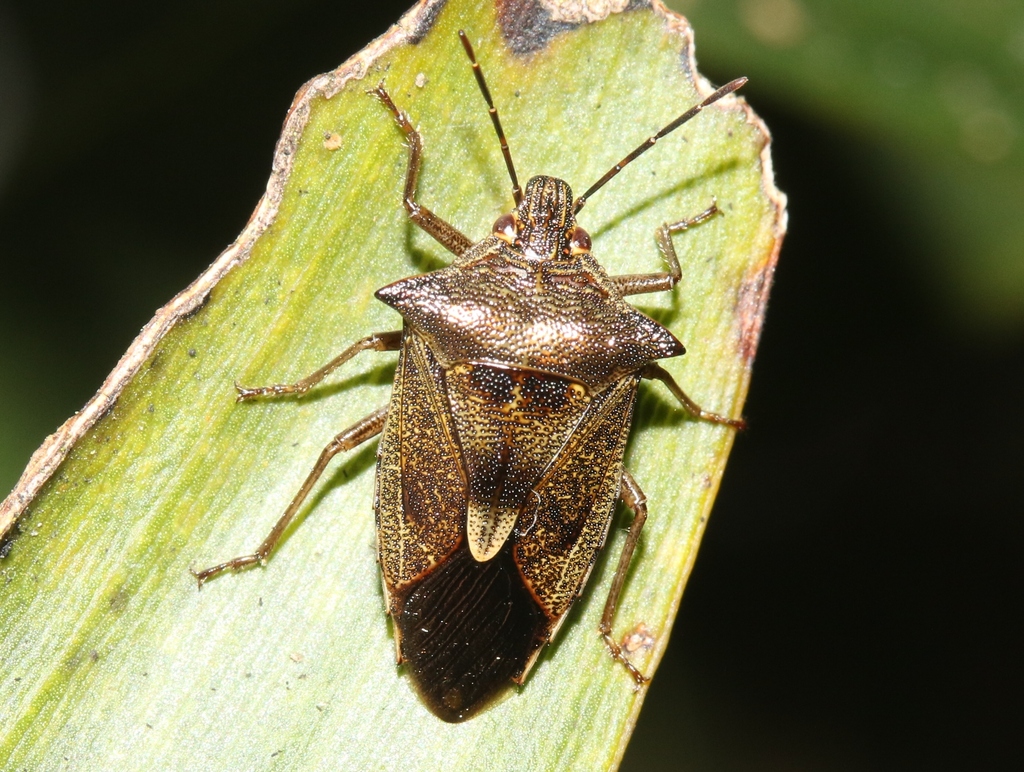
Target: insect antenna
x,y
648,143
517,192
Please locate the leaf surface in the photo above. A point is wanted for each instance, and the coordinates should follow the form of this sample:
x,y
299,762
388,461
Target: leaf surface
x,y
113,660
932,90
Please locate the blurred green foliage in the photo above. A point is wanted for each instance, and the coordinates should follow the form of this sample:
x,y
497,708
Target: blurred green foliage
x,y
936,89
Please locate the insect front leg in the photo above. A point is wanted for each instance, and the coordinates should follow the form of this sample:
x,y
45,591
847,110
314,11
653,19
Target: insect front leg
x,y
633,497
655,371
444,232
640,283
352,437
380,341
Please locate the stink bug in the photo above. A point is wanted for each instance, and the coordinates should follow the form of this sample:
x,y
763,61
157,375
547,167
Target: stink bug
x,y
501,451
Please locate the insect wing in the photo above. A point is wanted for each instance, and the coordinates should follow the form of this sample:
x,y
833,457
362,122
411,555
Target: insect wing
x,y
558,539
421,501
466,450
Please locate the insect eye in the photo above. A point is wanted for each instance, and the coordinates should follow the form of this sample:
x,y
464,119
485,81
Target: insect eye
x,y
579,240
505,228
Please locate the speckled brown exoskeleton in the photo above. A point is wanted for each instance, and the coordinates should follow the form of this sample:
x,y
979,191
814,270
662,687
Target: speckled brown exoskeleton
x,y
501,453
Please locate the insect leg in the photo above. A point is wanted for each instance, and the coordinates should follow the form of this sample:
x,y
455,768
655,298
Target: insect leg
x,y
640,283
379,341
445,233
355,435
633,497
656,371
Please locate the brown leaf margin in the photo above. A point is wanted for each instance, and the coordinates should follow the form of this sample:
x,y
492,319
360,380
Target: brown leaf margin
x,y
410,29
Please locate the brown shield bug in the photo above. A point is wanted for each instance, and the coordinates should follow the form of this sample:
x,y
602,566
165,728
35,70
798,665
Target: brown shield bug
x,y
501,451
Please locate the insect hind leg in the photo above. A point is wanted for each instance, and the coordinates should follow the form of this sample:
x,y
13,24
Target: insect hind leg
x,y
355,435
634,498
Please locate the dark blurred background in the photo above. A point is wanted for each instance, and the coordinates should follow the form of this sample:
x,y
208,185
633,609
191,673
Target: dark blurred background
x,y
858,599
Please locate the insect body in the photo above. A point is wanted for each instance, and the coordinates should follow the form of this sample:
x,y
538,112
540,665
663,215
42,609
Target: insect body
x,y
500,458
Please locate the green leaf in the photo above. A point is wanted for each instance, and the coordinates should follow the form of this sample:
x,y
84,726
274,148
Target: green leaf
x,y
935,89
113,660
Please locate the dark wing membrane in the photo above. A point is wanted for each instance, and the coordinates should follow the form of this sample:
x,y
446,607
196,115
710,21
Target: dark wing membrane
x,y
421,501
467,628
559,537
